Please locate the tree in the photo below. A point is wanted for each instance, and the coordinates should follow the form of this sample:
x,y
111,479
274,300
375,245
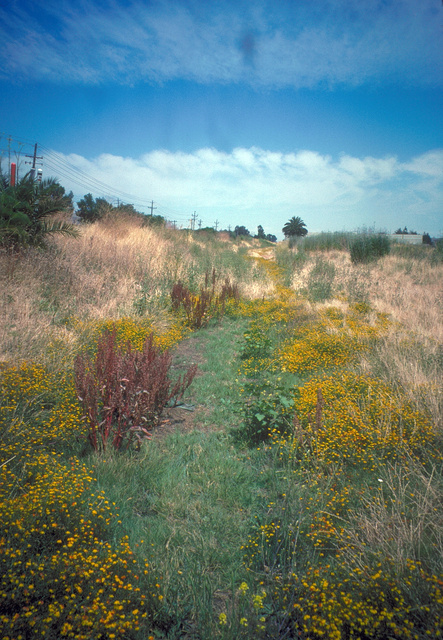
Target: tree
x,y
271,237
295,227
91,209
260,232
241,231
154,221
26,209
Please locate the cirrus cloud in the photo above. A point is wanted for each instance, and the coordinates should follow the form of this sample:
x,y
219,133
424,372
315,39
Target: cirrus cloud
x,y
264,43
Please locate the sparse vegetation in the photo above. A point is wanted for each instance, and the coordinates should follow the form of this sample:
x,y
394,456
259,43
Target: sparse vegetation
x,y
296,492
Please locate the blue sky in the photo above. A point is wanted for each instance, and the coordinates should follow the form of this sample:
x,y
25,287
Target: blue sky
x,y
247,112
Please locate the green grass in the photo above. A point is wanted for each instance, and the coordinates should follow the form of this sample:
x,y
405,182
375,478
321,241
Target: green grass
x,y
327,241
190,497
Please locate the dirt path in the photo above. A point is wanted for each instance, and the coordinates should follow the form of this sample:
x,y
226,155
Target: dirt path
x,y
267,253
184,416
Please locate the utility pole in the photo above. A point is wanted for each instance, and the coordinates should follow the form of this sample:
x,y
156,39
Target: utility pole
x,y
194,217
152,207
35,157
216,224
174,223
199,223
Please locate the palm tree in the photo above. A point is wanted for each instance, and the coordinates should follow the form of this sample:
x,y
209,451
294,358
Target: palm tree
x,y
26,209
295,227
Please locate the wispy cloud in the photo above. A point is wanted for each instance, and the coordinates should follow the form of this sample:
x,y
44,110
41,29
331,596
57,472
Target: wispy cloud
x,y
254,186
300,44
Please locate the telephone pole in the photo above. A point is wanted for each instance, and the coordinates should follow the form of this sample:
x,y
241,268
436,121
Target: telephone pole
x,y
152,207
216,224
194,217
35,157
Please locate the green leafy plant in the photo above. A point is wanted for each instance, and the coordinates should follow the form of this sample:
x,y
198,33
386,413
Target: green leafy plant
x,y
124,392
26,209
267,409
257,343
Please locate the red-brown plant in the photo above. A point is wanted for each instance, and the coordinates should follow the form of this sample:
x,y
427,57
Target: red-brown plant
x,y
124,392
199,309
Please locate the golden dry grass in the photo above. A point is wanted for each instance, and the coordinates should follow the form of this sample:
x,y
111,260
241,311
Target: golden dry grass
x,y
410,292
116,268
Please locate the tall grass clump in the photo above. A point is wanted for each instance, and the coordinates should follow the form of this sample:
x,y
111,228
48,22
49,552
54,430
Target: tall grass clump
x,y
290,260
330,241
368,248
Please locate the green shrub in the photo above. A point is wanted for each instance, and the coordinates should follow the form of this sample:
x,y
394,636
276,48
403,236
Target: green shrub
x,y
369,248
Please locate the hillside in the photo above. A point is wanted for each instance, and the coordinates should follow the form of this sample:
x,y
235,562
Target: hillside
x,y
290,487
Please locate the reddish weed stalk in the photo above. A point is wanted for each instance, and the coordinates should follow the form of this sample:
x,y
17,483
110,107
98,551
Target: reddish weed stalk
x,y
124,393
199,309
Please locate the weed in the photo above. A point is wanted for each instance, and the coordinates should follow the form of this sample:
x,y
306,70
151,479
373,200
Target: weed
x,y
125,392
200,308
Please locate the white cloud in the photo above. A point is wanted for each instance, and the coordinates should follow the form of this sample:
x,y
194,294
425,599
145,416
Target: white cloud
x,y
262,43
254,186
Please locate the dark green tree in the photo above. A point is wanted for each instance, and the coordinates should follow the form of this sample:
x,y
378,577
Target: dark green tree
x,y
92,209
26,210
295,227
154,221
241,231
271,237
260,232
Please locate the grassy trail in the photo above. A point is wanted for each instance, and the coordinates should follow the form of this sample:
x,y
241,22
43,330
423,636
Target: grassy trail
x,y
301,498
193,494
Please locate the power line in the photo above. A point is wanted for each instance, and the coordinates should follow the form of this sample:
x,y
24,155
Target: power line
x,y
58,164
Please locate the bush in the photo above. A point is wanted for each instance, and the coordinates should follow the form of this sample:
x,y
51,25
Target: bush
x,y
267,410
369,248
124,393
27,212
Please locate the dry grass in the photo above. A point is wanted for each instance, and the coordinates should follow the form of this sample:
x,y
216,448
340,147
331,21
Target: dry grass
x,y
410,291
404,522
116,268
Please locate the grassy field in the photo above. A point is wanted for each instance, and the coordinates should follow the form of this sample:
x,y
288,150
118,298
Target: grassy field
x,y
295,490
